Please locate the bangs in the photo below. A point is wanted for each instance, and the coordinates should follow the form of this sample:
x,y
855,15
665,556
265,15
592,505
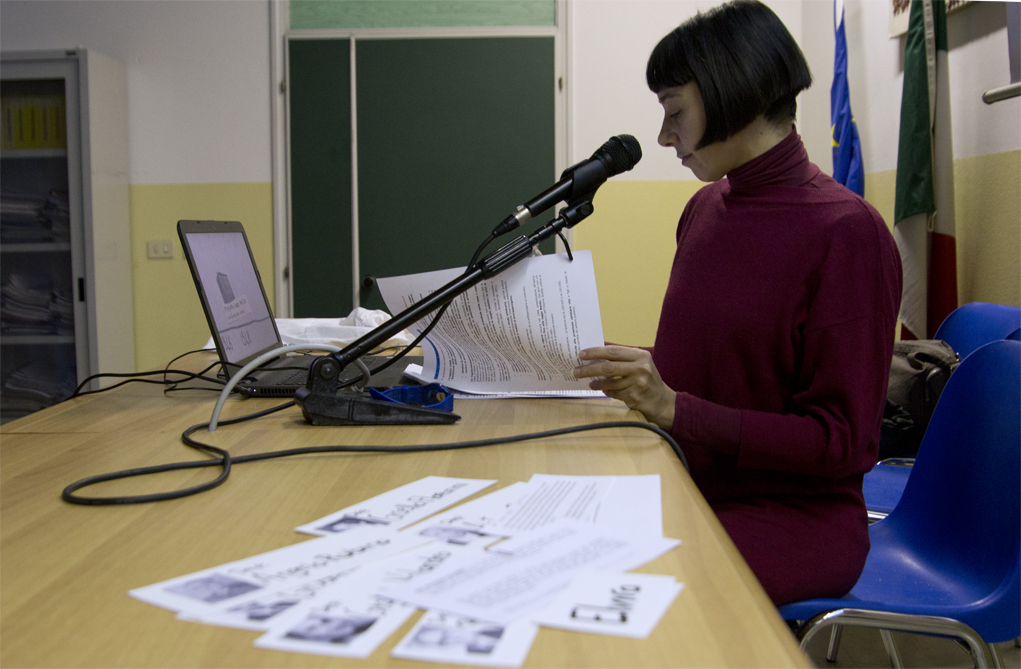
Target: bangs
x,y
668,65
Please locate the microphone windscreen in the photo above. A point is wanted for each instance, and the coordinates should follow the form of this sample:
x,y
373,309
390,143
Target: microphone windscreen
x,y
621,153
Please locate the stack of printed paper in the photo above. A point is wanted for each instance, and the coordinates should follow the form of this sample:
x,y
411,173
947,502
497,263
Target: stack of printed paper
x,y
553,551
516,334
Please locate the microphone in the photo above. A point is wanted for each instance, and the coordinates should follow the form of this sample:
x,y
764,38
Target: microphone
x,y
618,154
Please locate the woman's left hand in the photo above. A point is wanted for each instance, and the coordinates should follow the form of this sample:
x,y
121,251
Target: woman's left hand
x,y
629,375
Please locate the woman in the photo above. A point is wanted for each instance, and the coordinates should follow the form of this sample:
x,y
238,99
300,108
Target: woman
x,y
771,359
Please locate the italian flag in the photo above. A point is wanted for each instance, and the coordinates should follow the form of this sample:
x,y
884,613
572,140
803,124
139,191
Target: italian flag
x,y
924,207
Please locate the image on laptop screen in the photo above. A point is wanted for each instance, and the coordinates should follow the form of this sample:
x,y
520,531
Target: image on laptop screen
x,y
233,294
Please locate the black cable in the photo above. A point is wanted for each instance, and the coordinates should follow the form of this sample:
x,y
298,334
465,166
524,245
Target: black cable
x,y
138,377
225,460
184,355
173,384
482,246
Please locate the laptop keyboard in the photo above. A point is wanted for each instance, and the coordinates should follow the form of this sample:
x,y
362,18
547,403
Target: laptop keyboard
x,y
295,378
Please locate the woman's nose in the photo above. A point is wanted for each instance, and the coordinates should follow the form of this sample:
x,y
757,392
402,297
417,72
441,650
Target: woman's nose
x,y
666,137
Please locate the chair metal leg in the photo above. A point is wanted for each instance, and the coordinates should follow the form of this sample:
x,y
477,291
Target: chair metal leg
x,y
831,652
885,620
996,656
891,649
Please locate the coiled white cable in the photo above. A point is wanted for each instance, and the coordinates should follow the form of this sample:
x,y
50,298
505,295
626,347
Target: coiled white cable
x,y
244,371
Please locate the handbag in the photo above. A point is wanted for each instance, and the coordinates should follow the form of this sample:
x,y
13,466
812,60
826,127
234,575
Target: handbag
x,y
919,371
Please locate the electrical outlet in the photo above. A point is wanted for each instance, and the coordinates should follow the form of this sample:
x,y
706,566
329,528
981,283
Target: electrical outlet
x,y
160,248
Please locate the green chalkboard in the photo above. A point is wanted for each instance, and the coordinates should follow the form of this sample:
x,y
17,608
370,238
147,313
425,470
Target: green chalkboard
x,y
319,87
453,134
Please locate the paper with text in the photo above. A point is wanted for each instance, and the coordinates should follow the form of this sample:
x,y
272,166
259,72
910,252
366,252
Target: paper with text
x,y
352,624
206,591
613,603
549,498
451,639
472,521
415,372
399,507
500,586
263,610
518,331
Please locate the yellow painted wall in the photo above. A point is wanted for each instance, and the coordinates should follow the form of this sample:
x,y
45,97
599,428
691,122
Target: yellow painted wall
x,y
987,212
631,237
168,315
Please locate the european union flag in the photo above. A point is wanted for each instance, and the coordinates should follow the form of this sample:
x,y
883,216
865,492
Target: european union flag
x,y
848,168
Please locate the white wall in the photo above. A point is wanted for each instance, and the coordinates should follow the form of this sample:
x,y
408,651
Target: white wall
x,y
611,40
199,88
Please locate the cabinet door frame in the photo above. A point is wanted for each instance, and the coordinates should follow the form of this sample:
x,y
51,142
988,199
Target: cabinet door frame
x,y
281,35
64,66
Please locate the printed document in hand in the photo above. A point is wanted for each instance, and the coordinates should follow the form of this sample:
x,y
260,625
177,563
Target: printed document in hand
x,y
519,332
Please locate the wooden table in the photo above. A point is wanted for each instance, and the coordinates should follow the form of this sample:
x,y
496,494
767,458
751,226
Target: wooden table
x,y
65,570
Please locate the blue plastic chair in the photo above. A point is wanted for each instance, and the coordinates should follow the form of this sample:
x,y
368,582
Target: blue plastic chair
x,y
966,328
947,560
977,323
884,486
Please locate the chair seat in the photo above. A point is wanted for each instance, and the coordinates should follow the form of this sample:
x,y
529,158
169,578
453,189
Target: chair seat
x,y
899,576
899,579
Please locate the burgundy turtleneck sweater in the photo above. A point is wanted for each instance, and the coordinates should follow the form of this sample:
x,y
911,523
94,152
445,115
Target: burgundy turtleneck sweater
x,y
777,333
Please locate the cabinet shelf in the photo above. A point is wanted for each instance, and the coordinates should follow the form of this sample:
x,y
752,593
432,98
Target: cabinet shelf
x,y
21,154
33,340
35,247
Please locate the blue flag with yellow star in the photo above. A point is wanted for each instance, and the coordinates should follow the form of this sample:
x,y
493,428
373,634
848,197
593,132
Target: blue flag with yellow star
x,y
848,168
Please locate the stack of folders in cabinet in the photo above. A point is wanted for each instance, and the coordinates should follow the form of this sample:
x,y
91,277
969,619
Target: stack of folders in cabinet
x,y
32,122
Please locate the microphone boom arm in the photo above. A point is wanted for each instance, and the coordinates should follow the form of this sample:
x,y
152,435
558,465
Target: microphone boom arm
x,y
319,399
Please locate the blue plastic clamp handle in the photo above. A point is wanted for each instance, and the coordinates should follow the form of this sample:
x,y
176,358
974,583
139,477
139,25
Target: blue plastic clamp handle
x,y
431,396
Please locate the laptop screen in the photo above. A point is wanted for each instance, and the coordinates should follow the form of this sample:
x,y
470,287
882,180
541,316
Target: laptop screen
x,y
232,294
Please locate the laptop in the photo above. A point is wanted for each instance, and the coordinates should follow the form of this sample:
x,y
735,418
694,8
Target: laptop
x,y
239,316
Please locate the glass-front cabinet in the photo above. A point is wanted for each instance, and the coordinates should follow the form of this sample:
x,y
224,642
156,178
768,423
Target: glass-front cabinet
x,y
65,270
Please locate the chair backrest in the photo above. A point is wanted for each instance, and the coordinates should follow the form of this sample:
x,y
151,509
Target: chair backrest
x,y
962,503
977,323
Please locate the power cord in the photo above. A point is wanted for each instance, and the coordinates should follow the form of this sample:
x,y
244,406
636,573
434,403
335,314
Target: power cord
x,y
225,460
139,377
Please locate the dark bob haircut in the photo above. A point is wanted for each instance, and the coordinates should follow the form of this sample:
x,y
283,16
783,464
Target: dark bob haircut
x,y
744,62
